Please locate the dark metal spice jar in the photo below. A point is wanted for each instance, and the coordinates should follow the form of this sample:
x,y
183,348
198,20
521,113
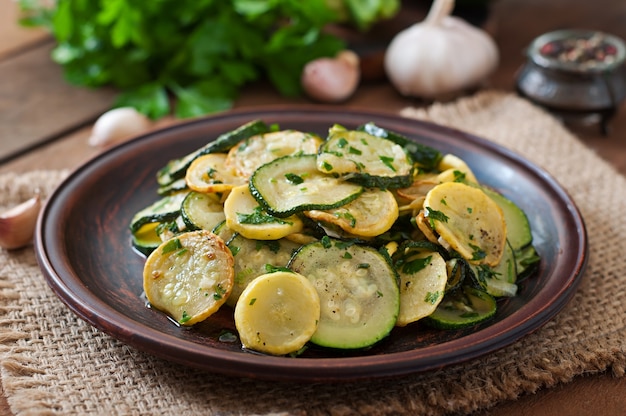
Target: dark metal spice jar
x,y
575,72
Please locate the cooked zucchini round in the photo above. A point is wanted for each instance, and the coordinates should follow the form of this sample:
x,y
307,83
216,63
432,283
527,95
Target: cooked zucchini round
x,y
423,278
358,292
258,150
252,258
292,184
468,220
362,158
189,276
207,173
370,214
245,216
461,308
277,313
201,211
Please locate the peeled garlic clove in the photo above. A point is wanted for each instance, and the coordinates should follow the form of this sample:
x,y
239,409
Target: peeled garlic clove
x,y
17,225
332,79
118,125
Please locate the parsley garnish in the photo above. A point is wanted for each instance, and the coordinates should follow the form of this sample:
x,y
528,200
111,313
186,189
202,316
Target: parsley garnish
x,y
388,161
293,178
172,245
258,216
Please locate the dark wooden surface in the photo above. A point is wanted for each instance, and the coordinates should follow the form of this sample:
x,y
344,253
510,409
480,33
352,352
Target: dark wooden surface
x,y
48,122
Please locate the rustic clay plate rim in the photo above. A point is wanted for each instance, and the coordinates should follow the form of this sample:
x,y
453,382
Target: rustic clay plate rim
x,y
79,277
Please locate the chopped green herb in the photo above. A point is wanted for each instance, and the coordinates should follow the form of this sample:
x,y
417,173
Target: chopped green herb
x,y
172,245
259,216
293,178
363,266
388,161
477,253
252,301
354,151
185,318
219,292
414,266
327,166
432,297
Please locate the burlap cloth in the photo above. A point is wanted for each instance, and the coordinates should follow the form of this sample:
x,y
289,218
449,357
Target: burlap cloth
x,y
54,363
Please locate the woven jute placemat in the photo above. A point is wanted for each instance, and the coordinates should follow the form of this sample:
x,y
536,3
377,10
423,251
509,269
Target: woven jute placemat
x,y
54,363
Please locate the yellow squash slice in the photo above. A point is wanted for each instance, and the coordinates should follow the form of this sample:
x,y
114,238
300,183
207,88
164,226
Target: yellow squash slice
x,y
372,213
245,216
468,220
277,313
189,276
208,174
453,163
423,278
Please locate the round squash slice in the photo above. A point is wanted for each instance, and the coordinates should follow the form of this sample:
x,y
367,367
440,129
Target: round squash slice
x,y
189,276
245,216
209,174
370,214
467,220
277,313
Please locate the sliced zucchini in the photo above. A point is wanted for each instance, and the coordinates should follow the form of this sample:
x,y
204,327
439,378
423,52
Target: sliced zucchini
x,y
176,168
208,174
165,209
358,292
189,276
177,186
425,156
527,261
244,215
145,239
423,278
292,184
252,258
201,211
518,231
277,313
467,220
372,213
462,308
365,159
258,150
498,280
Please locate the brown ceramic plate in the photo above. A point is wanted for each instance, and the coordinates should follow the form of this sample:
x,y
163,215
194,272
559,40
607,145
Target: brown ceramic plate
x,y
83,246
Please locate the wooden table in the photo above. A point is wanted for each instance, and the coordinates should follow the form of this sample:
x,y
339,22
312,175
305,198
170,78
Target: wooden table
x,y
37,106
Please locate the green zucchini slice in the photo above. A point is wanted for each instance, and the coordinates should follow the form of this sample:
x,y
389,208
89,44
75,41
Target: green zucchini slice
x,y
165,209
365,159
202,211
292,184
462,308
252,258
176,168
358,292
258,150
426,157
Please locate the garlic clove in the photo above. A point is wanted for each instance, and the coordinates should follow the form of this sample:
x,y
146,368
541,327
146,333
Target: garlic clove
x,y
118,125
332,80
17,225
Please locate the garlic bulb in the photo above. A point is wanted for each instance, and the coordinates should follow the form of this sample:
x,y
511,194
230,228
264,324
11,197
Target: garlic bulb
x,y
117,125
17,225
439,56
332,80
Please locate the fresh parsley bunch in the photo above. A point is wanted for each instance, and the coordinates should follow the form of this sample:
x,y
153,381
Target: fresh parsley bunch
x,y
200,52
